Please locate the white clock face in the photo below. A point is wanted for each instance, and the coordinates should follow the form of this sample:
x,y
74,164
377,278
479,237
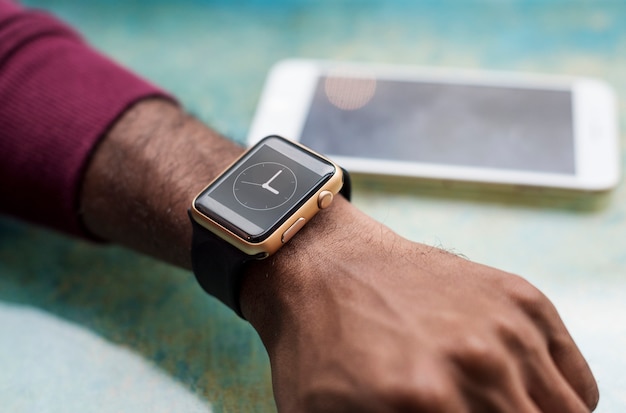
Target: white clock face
x,y
265,185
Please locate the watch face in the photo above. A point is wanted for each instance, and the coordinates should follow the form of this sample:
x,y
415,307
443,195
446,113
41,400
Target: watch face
x,y
265,187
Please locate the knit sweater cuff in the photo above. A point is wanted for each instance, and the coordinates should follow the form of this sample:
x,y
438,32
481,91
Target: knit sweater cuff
x,y
58,98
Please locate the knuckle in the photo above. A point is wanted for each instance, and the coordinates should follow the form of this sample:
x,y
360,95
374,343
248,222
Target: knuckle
x,y
421,384
531,301
474,347
429,393
518,336
528,297
481,358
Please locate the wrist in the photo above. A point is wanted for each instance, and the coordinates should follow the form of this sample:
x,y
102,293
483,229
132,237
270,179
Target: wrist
x,y
286,285
254,208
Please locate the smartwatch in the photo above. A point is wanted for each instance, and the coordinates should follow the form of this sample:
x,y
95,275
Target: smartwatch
x,y
256,206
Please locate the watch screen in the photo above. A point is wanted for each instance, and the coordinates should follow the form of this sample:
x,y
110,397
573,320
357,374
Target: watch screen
x,y
255,196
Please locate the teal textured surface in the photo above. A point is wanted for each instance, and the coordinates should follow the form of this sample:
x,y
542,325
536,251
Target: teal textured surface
x,y
162,340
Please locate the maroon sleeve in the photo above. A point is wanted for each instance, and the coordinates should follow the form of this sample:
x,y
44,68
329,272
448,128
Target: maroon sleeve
x,y
58,97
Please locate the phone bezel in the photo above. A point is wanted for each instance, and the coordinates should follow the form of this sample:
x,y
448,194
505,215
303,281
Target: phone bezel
x,y
289,88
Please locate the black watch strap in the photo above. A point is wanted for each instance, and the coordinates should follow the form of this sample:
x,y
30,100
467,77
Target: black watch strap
x,y
218,265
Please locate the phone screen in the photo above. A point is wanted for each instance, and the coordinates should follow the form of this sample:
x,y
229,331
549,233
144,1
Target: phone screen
x,y
442,123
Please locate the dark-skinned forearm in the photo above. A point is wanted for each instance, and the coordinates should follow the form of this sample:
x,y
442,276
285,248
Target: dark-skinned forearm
x,y
144,174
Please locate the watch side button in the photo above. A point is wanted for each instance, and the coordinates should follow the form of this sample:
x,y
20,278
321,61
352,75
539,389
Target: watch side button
x,y
292,230
324,199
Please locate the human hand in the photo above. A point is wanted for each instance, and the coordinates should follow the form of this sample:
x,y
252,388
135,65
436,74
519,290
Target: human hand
x,y
355,318
358,319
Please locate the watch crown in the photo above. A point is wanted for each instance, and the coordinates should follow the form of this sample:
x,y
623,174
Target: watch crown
x,y
324,199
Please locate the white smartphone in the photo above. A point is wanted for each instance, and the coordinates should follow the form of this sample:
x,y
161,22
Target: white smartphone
x,y
492,127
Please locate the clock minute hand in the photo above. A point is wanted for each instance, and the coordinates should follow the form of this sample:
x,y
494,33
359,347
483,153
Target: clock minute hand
x,y
251,183
267,184
269,188
274,177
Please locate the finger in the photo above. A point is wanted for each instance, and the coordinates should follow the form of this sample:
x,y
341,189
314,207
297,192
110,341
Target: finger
x,y
492,372
570,363
566,355
552,389
519,366
574,369
507,395
549,389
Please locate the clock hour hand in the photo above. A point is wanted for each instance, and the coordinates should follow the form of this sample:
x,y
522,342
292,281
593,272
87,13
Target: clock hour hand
x,y
269,188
